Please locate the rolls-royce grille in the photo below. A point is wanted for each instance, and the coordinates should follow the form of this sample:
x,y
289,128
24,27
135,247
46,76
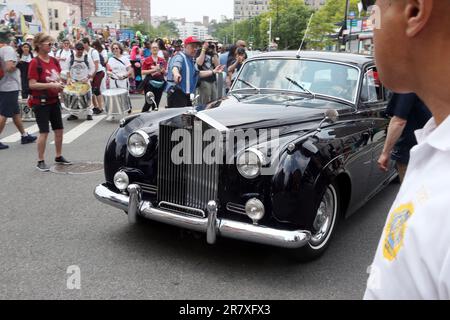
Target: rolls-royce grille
x,y
148,189
191,184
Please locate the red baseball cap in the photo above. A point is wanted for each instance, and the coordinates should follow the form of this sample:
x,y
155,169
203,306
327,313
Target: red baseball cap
x,y
191,40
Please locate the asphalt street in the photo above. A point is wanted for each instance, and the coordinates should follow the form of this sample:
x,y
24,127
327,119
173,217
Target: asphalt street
x,y
49,222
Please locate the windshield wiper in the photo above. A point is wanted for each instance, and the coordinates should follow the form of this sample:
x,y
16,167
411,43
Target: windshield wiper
x,y
295,83
250,85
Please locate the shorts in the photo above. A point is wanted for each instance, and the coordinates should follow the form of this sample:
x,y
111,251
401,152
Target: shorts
x,y
48,114
9,104
97,83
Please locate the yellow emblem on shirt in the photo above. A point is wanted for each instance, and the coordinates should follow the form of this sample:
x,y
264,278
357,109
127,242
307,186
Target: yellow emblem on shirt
x,y
395,230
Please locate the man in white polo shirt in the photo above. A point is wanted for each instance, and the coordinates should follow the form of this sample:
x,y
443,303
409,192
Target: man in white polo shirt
x,y
412,50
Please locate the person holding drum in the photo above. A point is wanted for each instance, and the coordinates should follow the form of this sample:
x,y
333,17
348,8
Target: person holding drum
x,y
45,85
119,68
81,71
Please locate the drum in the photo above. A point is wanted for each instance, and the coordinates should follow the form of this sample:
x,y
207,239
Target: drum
x,y
117,101
77,97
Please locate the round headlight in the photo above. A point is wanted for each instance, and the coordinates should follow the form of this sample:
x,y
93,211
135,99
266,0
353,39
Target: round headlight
x,y
254,209
249,163
138,143
121,181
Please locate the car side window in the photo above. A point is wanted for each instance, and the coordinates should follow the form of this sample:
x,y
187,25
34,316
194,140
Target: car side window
x,y
372,90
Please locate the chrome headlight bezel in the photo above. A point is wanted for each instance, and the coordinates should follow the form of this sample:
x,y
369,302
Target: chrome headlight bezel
x,y
255,210
250,171
145,140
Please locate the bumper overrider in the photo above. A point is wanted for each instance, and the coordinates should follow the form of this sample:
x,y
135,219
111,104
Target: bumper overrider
x,y
212,225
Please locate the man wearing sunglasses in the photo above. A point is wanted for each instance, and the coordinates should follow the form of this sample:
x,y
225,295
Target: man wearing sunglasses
x,y
81,70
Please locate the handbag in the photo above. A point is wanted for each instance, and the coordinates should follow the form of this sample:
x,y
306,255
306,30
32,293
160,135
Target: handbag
x,y
157,84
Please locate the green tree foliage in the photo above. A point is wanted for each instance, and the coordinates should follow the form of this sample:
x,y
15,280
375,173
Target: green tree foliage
x,y
289,21
324,22
165,30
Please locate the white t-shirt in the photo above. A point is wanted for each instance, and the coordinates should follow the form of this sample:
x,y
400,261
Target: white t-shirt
x,y
96,57
119,68
11,80
79,71
413,256
64,58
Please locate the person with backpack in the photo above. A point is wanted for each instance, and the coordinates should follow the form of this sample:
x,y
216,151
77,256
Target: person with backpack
x,y
9,87
99,74
81,69
63,55
45,84
103,56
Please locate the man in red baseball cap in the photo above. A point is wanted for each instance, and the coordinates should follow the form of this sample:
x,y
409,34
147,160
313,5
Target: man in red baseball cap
x,y
183,75
192,40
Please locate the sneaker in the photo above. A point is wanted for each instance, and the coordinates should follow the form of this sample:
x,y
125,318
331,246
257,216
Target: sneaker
x,y
63,161
3,146
41,166
28,139
72,118
97,111
89,118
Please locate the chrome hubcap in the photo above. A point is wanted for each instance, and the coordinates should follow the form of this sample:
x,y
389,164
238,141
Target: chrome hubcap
x,y
325,218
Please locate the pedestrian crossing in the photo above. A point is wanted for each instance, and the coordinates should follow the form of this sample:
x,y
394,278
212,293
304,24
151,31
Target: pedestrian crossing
x,y
78,131
70,135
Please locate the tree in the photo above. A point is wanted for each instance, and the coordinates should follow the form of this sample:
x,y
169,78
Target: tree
x,y
326,22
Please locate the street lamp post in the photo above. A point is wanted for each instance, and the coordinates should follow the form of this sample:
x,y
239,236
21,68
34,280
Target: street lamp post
x,y
344,26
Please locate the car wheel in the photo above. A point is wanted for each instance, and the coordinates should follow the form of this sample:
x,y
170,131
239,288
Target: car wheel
x,y
324,225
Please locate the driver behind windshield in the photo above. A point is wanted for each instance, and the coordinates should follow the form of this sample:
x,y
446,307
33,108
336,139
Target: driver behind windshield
x,y
340,85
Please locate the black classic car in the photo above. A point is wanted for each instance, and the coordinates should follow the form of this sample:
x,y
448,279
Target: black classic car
x,y
306,132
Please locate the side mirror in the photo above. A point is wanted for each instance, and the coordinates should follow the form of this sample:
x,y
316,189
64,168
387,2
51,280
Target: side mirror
x,y
150,98
331,115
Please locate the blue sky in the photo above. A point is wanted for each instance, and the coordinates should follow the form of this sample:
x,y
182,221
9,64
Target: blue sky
x,y
193,10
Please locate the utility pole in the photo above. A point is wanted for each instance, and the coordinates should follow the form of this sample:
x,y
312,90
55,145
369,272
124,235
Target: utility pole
x,y
270,33
81,9
344,26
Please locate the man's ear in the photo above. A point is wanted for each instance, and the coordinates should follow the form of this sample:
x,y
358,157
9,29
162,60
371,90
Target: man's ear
x,y
417,15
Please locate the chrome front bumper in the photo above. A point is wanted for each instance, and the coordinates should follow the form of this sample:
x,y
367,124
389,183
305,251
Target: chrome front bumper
x,y
211,225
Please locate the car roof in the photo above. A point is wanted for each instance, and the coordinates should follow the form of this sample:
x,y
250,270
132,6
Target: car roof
x,y
350,58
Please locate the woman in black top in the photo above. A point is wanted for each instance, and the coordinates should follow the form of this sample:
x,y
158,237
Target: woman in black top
x,y
25,56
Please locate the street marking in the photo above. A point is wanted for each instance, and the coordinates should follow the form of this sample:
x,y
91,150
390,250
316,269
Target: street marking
x,y
78,131
17,136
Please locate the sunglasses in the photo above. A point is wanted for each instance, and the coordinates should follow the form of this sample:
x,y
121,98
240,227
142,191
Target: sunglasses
x,y
48,44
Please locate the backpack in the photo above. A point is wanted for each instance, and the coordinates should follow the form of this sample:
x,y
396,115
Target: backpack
x,y
72,60
102,60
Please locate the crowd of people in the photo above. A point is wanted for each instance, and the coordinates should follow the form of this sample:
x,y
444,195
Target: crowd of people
x,y
39,69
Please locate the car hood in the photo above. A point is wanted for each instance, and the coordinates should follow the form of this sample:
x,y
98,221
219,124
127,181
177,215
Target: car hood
x,y
268,110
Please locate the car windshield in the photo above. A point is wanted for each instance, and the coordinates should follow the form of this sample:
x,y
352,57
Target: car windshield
x,y
306,76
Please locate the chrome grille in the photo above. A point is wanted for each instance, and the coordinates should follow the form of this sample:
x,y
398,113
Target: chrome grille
x,y
188,185
148,189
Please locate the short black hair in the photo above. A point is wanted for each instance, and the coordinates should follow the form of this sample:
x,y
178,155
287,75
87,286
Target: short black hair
x,y
86,41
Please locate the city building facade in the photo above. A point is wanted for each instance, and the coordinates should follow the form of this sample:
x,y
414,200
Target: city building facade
x,y
245,9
